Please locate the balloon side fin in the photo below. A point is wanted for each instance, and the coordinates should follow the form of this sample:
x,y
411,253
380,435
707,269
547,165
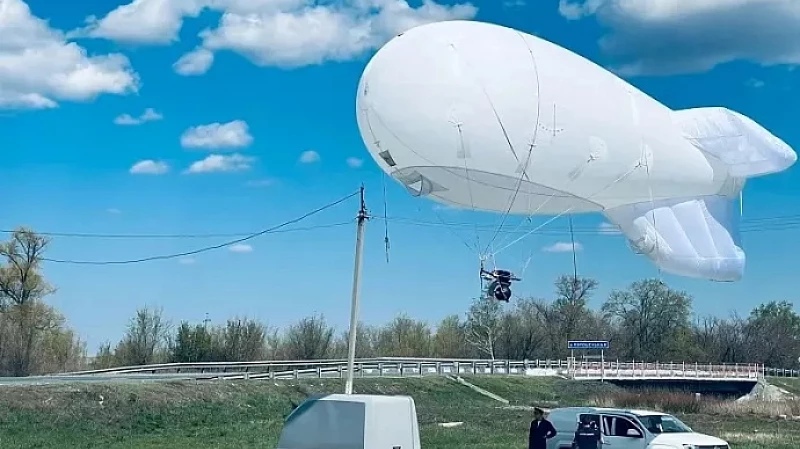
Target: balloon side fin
x,y
743,145
697,238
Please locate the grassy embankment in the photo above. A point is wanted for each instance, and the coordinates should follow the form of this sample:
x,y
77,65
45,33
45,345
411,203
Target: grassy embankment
x,y
250,414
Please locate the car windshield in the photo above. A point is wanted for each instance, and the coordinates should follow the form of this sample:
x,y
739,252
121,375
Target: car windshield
x,y
664,424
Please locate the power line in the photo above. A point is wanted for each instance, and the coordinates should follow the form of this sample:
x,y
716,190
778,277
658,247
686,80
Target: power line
x,y
177,236
760,224
207,248
794,223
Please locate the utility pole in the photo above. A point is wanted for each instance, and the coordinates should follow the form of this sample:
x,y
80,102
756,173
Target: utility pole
x,y
361,218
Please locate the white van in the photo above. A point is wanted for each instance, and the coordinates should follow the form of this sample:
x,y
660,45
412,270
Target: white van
x,y
356,421
630,429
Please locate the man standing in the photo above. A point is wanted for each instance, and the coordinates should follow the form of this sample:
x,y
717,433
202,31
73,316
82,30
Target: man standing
x,y
541,430
588,435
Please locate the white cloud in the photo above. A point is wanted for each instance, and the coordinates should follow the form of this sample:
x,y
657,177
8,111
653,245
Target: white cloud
x,y
514,3
309,157
196,62
286,33
662,37
755,83
39,68
234,134
216,163
241,248
266,182
126,119
562,247
113,211
187,260
149,167
142,21
149,115
354,162
608,228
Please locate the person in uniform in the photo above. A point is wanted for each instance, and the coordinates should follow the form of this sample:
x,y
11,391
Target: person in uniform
x,y
588,435
541,430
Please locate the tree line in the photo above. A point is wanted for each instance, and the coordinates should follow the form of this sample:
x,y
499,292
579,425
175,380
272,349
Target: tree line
x,y
647,320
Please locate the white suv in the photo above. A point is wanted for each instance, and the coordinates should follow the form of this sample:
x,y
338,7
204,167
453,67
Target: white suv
x,y
630,429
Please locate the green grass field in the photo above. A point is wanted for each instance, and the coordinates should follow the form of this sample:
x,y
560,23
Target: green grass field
x,y
249,414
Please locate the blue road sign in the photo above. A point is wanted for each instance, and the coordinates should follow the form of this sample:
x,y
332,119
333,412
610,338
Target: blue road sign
x,y
588,344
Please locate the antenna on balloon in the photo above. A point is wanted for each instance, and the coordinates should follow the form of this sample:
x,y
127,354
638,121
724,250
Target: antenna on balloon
x,y
741,203
385,218
574,254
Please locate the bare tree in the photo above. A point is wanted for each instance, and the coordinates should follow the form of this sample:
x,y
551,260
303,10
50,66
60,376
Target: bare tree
x,y
21,281
483,325
523,333
404,337
192,344
366,342
241,340
145,341
653,318
22,290
774,334
311,338
450,339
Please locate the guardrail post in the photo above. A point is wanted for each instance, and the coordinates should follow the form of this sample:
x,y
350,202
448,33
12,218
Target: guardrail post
x,y
319,372
419,369
438,368
380,369
295,373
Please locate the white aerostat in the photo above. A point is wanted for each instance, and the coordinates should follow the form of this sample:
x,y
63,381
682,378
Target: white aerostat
x,y
490,118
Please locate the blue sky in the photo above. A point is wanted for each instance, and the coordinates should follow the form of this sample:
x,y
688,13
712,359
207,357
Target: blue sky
x,y
284,85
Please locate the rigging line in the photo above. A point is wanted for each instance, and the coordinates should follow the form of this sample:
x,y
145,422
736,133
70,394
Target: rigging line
x,y
626,174
469,184
534,137
652,207
572,179
511,203
549,198
207,248
421,156
385,216
449,170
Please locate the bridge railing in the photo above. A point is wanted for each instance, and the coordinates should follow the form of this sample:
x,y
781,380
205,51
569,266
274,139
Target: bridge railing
x,y
669,370
404,367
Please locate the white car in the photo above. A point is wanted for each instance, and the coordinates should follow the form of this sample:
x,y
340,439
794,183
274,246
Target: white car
x,y
630,429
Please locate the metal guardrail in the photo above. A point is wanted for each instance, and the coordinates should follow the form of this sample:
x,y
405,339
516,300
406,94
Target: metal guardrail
x,y
780,372
405,367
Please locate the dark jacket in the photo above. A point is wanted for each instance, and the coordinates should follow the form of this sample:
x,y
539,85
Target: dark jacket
x,y
540,432
587,437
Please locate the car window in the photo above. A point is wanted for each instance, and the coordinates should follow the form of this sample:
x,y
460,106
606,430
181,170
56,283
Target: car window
x,y
664,424
618,426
